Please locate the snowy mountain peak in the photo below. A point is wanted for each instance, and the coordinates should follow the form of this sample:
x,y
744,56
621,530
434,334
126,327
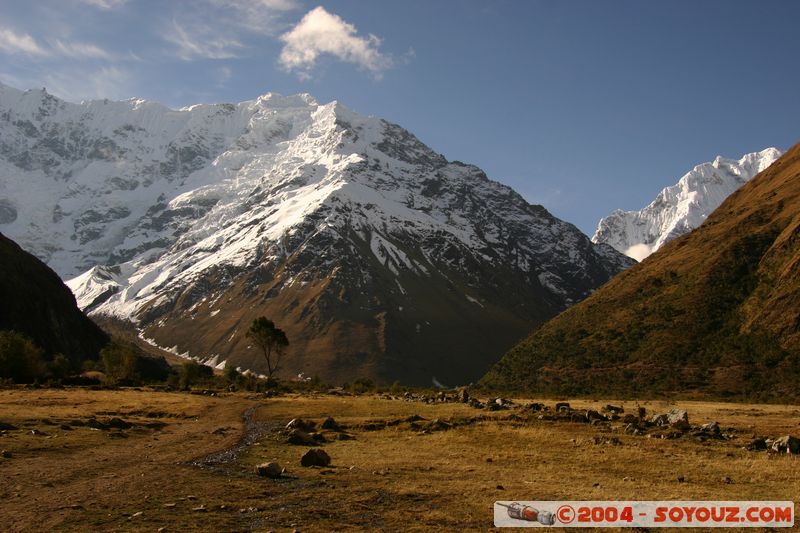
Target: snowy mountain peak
x,y
682,207
346,227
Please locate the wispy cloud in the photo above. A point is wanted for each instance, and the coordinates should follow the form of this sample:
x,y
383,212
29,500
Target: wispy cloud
x,y
77,83
258,16
80,50
105,4
202,42
321,32
20,43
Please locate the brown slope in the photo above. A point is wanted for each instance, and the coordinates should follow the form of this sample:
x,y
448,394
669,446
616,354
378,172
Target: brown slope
x,y
341,331
716,312
35,302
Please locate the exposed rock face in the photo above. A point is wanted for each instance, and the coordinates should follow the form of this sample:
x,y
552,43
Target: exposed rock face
x,y
376,255
34,301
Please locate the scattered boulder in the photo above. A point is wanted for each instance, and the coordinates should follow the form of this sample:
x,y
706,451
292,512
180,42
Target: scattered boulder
x,y
462,395
414,418
711,427
632,429
563,407
578,417
681,425
319,437
4,426
617,410
675,416
598,440
757,444
535,407
330,423
345,436
630,419
658,420
437,425
665,435
5,454
118,423
642,412
96,424
787,444
495,404
592,415
315,457
302,425
477,404
270,470
300,438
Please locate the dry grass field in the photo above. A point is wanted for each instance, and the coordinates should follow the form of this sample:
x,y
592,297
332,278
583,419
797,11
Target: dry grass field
x,y
145,470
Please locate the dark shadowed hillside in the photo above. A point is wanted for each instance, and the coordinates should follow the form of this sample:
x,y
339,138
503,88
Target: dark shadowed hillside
x,y
715,312
35,302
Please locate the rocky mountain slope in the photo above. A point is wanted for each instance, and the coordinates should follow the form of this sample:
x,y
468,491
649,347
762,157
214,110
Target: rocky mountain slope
x,y
682,207
35,302
714,311
378,256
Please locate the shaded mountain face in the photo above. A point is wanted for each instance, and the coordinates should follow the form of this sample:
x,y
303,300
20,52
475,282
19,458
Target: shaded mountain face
x,y
715,311
376,255
34,301
682,207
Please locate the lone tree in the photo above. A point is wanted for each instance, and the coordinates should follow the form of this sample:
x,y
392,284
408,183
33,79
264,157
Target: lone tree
x,y
271,340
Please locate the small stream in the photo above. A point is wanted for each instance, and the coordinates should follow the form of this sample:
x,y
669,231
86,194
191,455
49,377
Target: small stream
x,y
222,460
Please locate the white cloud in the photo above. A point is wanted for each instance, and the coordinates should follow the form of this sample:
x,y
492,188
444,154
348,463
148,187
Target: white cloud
x,y
202,42
15,43
80,50
223,75
321,32
105,4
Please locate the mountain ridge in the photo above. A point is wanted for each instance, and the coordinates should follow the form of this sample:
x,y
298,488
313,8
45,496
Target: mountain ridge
x,y
367,242
682,207
37,304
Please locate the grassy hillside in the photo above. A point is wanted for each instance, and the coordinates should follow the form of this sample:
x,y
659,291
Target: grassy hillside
x,y
716,312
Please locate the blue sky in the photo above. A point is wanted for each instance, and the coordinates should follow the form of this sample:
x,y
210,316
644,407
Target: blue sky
x,y
582,106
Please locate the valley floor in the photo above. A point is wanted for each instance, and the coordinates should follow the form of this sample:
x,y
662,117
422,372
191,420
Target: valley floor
x,y
83,460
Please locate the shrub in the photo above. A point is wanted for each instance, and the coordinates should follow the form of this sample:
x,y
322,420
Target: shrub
x,y
126,364
119,362
361,385
192,373
60,367
20,358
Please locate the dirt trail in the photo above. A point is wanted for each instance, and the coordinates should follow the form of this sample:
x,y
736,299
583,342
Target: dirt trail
x,y
63,486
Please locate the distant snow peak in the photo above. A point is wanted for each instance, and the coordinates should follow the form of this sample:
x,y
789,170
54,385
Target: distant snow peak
x,y
682,207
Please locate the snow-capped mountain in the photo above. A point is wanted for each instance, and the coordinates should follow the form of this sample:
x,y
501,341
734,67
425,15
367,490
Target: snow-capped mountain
x,y
682,207
377,255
